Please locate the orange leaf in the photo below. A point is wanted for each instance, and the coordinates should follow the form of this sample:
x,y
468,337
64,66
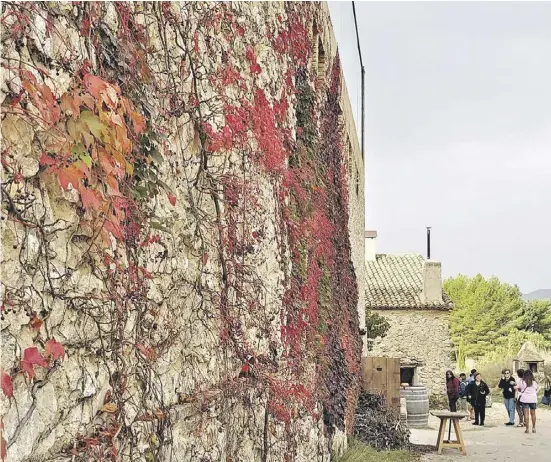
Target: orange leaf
x,y
110,96
88,101
116,119
70,105
111,408
7,385
70,175
138,121
54,349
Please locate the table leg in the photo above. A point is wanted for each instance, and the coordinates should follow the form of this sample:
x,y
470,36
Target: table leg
x,y
459,435
441,432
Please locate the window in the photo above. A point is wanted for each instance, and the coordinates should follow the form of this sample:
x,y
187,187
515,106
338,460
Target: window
x,y
407,375
318,55
321,62
533,367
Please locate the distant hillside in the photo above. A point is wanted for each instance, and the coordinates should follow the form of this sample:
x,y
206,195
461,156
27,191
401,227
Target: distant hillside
x,y
542,294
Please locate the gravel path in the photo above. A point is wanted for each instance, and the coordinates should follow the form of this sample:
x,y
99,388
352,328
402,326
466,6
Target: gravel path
x,y
494,441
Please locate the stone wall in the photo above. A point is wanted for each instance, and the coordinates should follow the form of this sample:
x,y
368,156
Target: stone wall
x,y
175,284
421,339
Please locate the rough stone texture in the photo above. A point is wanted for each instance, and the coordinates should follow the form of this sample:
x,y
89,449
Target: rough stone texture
x,y
45,417
421,339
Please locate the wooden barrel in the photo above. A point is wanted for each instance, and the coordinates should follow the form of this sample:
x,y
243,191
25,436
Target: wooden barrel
x,y
417,404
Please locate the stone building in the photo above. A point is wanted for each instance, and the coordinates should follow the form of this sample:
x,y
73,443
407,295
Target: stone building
x,y
407,290
173,176
528,358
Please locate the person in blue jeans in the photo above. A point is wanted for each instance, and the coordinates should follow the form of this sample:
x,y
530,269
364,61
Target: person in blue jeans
x,y
508,384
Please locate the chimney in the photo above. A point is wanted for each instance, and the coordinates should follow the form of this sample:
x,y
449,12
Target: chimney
x,y
428,242
432,282
370,237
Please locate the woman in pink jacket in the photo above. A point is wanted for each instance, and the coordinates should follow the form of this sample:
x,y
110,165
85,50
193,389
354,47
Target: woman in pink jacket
x,y
528,397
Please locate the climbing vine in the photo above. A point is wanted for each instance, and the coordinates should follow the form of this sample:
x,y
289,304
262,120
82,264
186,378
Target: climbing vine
x,y
184,170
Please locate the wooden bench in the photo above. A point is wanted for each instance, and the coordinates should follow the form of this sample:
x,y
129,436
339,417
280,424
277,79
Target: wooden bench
x,y
452,418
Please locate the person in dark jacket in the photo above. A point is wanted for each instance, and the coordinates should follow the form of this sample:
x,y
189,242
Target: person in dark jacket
x,y
452,389
508,384
470,379
476,393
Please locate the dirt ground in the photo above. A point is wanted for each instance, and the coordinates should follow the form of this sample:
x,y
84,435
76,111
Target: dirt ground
x,y
494,441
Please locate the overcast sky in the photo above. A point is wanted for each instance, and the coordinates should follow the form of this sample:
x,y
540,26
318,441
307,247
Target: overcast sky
x,y
458,119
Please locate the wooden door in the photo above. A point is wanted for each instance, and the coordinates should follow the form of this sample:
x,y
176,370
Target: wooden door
x,y
382,375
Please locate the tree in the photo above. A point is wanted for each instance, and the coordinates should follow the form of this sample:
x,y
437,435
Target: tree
x,y
376,326
487,312
536,317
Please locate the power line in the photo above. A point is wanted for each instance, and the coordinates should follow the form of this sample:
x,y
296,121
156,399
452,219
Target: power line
x,y
363,81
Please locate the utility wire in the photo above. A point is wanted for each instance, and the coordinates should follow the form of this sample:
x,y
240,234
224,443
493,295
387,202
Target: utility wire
x,y
363,81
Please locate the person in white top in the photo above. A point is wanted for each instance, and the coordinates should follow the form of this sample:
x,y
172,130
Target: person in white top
x,y
520,411
528,396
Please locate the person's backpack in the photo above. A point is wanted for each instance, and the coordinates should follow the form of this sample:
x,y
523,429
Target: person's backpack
x,y
462,389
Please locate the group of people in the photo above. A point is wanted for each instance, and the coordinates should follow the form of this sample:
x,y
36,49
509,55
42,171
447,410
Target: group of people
x,y
471,393
521,394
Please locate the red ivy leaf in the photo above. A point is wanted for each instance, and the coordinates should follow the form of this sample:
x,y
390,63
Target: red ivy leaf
x,y
54,349
35,322
45,159
94,85
115,228
205,258
27,367
90,199
32,356
7,385
172,199
149,353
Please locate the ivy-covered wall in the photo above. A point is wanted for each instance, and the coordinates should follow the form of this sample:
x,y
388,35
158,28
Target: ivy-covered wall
x,y
178,280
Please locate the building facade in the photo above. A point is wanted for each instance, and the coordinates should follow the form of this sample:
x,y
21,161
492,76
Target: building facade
x,y
176,256
407,291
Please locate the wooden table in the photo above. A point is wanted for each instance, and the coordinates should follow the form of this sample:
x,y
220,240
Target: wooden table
x,y
453,418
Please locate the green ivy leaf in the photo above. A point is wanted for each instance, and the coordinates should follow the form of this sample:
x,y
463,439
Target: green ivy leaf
x,y
80,152
156,156
158,226
93,122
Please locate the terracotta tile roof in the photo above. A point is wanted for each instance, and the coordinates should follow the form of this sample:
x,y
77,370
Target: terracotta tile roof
x,y
395,282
